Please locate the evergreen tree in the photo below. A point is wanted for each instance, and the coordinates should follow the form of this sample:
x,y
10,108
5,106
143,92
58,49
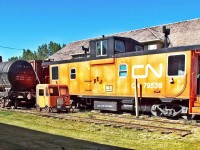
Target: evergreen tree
x,y
53,47
13,58
43,52
28,55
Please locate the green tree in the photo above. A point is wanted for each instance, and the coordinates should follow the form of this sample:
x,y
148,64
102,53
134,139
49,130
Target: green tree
x,y
28,55
13,58
53,47
43,52
63,45
46,50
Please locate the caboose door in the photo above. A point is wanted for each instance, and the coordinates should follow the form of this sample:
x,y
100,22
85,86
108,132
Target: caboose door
x,y
176,77
96,79
41,96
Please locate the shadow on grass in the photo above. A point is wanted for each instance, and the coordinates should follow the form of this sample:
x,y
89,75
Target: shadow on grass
x,y
14,138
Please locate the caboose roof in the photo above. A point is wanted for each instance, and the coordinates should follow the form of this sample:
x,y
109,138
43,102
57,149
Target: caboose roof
x,y
182,33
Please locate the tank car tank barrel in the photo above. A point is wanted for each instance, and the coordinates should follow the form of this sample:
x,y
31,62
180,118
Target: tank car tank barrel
x,y
18,75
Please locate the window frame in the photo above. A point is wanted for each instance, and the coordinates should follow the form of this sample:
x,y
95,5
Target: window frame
x,y
41,92
119,51
54,91
72,74
185,67
57,73
123,70
101,48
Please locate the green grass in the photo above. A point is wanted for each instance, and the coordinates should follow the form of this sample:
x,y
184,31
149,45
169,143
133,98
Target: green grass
x,y
54,133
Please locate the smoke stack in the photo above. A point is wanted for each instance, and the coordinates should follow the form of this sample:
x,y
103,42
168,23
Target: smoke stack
x,y
166,31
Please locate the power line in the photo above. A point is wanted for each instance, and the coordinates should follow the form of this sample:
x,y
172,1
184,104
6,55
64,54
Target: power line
x,y
10,48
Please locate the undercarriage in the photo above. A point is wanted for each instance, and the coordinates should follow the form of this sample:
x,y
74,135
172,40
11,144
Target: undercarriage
x,y
169,110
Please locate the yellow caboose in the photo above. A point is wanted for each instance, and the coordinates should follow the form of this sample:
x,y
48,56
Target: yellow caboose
x,y
104,78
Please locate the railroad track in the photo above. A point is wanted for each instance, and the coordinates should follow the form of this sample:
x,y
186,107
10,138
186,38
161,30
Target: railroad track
x,y
128,123
152,119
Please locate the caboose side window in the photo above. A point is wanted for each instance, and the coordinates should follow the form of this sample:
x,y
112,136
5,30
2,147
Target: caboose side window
x,y
73,73
176,65
119,46
123,70
101,48
54,71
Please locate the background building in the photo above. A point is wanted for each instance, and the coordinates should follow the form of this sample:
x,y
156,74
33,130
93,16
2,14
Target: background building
x,y
181,34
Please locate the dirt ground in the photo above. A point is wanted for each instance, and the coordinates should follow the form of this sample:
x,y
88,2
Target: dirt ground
x,y
17,138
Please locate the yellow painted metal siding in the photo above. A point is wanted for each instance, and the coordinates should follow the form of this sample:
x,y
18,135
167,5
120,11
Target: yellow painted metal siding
x,y
102,77
74,83
155,82
108,79
84,77
123,84
64,74
181,86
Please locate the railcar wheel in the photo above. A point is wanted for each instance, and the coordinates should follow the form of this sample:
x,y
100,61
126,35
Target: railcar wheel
x,y
72,110
48,109
38,108
15,104
7,102
155,111
2,105
169,110
78,105
188,117
54,109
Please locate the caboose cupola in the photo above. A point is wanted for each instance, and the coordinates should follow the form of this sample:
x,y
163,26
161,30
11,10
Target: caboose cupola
x,y
107,47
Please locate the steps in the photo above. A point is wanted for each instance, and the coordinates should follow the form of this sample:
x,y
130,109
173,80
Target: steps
x,y
196,104
196,107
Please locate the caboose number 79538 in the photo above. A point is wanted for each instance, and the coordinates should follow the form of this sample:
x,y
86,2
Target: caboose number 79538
x,y
104,78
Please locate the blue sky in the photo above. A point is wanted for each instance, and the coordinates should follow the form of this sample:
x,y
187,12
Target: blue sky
x,y
27,24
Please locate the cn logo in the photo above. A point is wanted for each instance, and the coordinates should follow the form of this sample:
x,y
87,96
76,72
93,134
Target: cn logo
x,y
157,73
